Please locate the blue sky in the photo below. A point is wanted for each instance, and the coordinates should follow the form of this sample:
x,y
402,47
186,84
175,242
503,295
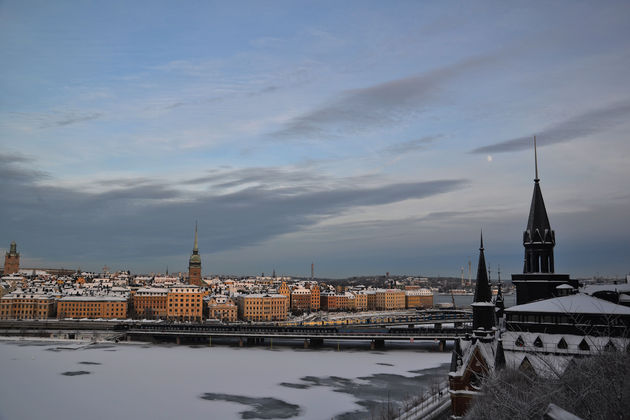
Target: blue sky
x,y
364,136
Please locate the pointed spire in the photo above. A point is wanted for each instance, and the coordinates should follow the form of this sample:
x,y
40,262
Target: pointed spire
x,y
195,247
536,161
482,289
499,359
481,241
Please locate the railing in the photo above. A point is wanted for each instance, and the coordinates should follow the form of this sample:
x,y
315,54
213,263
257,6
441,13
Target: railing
x,y
428,405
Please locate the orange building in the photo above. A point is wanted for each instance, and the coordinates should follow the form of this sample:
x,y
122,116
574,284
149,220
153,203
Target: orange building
x,y
371,300
259,307
328,301
301,299
150,303
20,305
390,299
223,309
185,303
12,260
92,307
315,297
421,298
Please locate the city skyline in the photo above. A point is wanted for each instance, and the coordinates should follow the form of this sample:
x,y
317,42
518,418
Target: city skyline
x,y
363,137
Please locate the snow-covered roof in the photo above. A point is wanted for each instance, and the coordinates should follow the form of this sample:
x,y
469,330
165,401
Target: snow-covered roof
x,y
94,298
573,304
594,288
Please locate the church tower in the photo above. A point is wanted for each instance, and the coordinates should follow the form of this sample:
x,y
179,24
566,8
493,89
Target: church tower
x,y
483,308
538,280
12,260
194,264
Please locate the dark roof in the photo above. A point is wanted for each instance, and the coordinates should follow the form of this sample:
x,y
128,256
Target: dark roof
x,y
482,291
538,227
499,360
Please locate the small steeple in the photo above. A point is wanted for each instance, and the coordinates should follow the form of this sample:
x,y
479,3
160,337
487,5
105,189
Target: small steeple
x,y
499,359
538,238
483,308
482,289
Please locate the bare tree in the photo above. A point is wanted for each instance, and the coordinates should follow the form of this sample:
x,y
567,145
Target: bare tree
x,y
596,387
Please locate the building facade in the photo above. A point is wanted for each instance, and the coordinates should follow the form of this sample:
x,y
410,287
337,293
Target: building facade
x,y
185,303
150,303
21,305
262,307
92,307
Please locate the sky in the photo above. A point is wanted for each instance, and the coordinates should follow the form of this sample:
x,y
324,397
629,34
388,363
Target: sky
x,y
365,137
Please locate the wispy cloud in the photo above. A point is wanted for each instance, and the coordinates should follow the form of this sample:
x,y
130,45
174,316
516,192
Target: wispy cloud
x,y
383,104
592,122
137,217
411,145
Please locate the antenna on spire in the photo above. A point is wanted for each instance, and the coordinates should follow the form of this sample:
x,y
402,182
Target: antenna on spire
x,y
481,246
195,247
536,160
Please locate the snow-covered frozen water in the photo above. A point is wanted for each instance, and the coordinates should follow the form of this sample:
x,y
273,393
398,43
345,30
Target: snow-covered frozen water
x,y
68,380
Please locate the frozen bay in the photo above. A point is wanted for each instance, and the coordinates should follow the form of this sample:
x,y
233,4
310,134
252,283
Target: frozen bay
x,y
66,380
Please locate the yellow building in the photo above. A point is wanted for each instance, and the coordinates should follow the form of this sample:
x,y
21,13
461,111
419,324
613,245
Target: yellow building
x,y
92,307
422,298
150,303
259,307
21,305
185,303
361,301
389,299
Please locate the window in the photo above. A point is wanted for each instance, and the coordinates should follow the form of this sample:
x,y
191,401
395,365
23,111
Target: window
x,y
519,341
562,344
584,345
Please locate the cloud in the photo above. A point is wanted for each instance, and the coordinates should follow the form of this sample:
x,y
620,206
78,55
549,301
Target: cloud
x,y
135,219
410,145
379,105
583,125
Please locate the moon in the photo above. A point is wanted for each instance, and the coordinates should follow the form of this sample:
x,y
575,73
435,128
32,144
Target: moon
x,y
489,158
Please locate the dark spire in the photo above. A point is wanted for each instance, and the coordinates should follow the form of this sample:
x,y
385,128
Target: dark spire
x,y
538,238
482,290
456,359
499,359
483,308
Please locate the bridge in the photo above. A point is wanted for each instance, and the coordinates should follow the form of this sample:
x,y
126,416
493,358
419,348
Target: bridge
x,y
244,333
436,317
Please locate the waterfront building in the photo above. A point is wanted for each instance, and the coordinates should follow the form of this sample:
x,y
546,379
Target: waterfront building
x,y
185,303
25,305
418,298
222,308
329,301
262,307
475,357
552,323
194,264
11,260
89,306
390,299
315,297
301,299
150,303
361,301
